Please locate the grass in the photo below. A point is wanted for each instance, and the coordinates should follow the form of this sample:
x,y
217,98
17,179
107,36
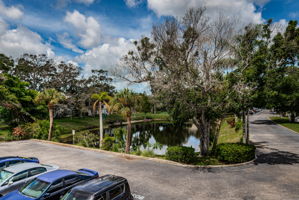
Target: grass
x,y
4,131
85,123
228,134
284,121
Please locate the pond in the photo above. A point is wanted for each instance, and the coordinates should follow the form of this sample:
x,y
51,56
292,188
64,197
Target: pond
x,y
154,136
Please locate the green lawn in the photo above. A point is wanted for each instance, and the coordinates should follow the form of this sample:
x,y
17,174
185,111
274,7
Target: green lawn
x,y
284,121
228,134
84,123
4,131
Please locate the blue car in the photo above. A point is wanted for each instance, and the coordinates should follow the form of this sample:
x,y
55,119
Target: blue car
x,y
12,160
52,185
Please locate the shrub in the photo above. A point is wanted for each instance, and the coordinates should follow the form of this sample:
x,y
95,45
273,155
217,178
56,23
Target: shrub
x,y
108,143
238,125
235,152
20,133
87,139
181,154
148,153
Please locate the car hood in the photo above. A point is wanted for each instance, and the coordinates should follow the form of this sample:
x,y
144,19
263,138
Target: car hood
x,y
15,195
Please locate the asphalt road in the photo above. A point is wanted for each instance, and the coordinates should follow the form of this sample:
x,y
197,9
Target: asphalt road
x,y
274,175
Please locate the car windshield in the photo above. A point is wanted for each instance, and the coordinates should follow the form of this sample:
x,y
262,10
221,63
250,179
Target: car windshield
x,y
76,195
35,188
4,175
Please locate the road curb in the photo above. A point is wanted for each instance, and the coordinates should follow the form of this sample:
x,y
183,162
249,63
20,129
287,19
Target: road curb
x,y
283,126
130,156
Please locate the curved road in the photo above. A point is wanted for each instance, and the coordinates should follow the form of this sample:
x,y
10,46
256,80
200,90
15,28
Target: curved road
x,y
274,175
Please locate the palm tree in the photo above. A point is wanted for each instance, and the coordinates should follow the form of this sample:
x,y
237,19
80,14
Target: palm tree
x,y
50,97
100,99
124,103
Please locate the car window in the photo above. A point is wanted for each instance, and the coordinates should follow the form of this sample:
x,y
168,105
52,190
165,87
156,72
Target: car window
x,y
36,171
101,197
57,185
20,176
116,191
35,188
5,175
70,180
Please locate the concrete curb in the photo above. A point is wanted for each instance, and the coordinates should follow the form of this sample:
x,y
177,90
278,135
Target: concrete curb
x,y
282,126
129,156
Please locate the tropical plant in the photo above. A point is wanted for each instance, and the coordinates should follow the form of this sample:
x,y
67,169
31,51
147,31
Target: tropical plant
x,y
124,103
101,99
50,97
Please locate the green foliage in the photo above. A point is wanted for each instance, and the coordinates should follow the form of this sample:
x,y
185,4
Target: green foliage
x,y
235,152
87,139
108,143
181,154
40,130
231,121
148,153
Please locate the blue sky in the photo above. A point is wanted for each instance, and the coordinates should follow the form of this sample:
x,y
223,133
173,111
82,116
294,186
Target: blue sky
x,y
97,33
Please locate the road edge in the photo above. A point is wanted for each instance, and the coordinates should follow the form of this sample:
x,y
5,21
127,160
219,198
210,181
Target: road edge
x,y
130,156
282,126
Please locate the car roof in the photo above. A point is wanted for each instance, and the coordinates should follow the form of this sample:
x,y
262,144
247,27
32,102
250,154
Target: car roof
x,y
13,158
21,167
100,184
55,175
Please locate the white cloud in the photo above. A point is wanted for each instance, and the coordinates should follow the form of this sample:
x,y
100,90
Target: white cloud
x,y
132,3
105,56
243,10
87,2
11,12
15,42
66,41
294,14
87,28
260,2
279,27
64,3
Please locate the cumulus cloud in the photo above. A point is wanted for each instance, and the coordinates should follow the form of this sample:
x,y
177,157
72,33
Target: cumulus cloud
x,y
15,42
87,28
66,41
105,56
243,10
132,3
10,11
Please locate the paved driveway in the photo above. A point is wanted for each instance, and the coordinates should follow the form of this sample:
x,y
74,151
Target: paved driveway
x,y
275,174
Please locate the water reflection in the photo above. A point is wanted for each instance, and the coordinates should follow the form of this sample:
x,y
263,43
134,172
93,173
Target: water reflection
x,y
158,136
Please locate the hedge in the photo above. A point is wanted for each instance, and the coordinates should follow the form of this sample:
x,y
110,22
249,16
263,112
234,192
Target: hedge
x,y
181,154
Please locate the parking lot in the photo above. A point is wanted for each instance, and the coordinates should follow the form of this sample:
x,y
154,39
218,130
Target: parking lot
x,y
273,176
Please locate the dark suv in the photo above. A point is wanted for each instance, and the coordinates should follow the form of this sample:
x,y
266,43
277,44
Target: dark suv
x,y
107,187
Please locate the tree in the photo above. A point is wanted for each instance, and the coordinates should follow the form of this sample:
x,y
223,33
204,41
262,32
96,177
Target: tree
x,y
124,102
184,62
50,97
101,99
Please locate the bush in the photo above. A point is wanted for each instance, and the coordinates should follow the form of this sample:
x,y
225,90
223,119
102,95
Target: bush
x,y
108,143
181,154
235,152
148,153
87,139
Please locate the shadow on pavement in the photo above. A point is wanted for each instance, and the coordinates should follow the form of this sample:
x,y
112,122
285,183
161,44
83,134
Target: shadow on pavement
x,y
264,122
277,157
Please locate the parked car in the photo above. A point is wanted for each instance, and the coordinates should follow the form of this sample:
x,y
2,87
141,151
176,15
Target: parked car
x,y
11,160
52,185
107,187
15,176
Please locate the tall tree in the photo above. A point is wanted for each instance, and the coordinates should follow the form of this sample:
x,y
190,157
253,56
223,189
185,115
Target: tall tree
x,y
184,62
101,99
50,97
124,102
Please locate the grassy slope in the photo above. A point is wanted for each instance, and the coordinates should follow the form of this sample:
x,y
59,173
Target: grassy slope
x,y
284,121
228,134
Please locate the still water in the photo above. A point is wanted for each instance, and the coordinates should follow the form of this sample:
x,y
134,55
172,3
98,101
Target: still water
x,y
158,136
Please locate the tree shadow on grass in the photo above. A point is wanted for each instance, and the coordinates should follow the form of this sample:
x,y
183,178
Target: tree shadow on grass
x,y
277,157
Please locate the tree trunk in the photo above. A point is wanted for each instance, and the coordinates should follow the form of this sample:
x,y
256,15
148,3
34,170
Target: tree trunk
x,y
293,117
129,135
244,126
203,127
51,116
247,127
217,132
101,124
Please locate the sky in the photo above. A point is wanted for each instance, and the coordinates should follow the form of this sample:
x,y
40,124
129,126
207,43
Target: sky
x,y
95,34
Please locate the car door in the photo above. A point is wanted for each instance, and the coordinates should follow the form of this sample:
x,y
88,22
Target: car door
x,y
15,182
